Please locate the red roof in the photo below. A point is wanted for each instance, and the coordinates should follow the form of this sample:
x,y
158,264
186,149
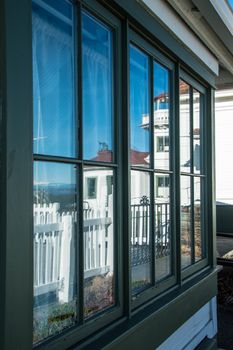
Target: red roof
x,y
162,96
103,156
184,88
137,157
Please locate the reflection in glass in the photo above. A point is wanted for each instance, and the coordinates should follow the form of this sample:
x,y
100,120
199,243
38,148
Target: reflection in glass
x,y
139,107
185,199
140,231
197,219
97,89
196,132
54,249
162,226
161,117
53,79
184,127
98,237
225,248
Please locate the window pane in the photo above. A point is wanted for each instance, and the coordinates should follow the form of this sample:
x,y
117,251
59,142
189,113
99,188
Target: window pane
x,y
139,107
197,219
162,226
140,231
196,132
184,127
98,240
161,117
53,79
54,249
97,89
186,241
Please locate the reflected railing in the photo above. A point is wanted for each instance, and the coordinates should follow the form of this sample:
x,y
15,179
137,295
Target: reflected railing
x,y
54,236
140,233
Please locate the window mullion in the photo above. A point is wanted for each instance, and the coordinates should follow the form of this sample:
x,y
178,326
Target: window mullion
x,y
192,178
79,120
152,177
175,123
191,127
126,171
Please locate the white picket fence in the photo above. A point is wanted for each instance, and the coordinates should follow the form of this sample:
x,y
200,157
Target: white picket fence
x,y
54,248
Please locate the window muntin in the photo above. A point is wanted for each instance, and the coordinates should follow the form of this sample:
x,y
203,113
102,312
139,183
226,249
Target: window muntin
x,y
97,89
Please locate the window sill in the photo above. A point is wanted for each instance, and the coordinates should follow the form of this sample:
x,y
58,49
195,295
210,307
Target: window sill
x,y
141,328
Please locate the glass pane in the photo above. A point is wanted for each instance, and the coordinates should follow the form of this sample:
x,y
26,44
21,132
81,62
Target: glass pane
x,y
196,132
162,226
185,200
140,231
54,249
98,239
53,79
161,117
139,107
97,47
185,164
197,219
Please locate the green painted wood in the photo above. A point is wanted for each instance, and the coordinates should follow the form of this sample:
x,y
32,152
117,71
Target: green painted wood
x,y
16,178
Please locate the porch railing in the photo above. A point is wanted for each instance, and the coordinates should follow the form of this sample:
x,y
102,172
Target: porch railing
x,y
54,243
140,231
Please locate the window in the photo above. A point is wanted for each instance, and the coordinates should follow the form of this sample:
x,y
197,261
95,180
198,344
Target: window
x,y
192,168
162,144
75,169
91,187
152,251
120,172
162,186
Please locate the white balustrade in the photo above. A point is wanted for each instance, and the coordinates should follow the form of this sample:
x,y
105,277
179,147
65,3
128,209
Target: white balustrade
x,y
54,247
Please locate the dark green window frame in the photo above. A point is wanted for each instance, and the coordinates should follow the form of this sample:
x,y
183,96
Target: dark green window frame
x,y
154,55
88,325
16,156
201,88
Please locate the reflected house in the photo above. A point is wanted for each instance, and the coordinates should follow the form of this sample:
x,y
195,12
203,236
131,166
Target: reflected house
x,y
54,233
161,142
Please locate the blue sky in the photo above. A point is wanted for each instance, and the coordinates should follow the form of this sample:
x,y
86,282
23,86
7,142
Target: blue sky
x,y
231,3
139,95
55,92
